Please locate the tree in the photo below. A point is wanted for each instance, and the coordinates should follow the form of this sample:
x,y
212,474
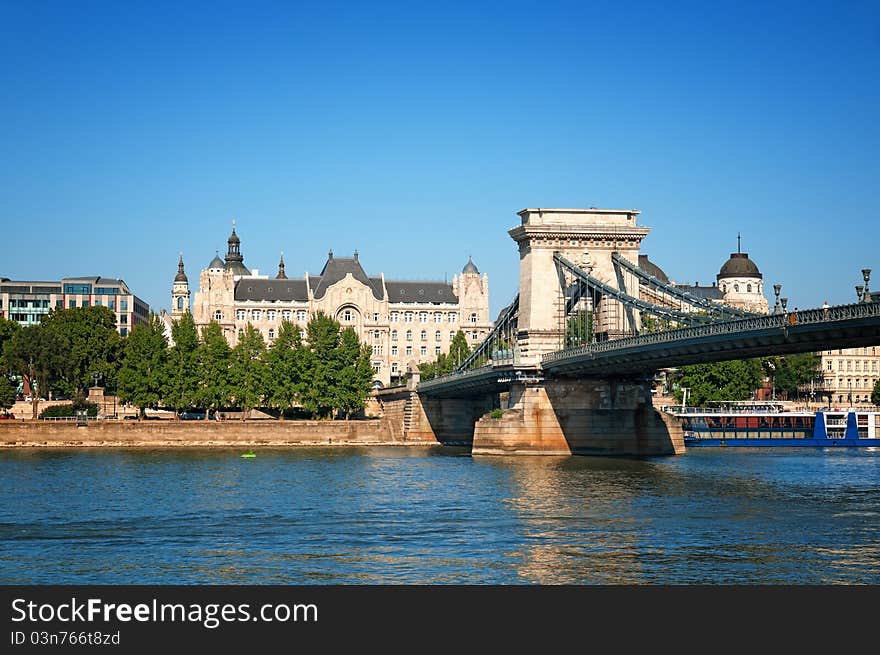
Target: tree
x,y
720,381
181,371
790,372
323,340
36,353
91,345
8,329
579,329
354,373
458,352
143,368
213,367
7,392
287,362
247,369
875,394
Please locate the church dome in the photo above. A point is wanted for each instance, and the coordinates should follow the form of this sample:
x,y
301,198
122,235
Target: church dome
x,y
217,262
181,276
739,265
233,238
470,267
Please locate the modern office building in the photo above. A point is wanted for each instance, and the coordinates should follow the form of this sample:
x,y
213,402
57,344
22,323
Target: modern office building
x,y
28,302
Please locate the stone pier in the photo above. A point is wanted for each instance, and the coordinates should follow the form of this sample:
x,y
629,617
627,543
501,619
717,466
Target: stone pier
x,y
583,417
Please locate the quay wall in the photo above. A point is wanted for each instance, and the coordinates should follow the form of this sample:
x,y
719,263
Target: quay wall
x,y
172,434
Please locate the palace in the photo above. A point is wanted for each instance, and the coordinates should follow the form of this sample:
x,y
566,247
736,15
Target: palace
x,y
405,323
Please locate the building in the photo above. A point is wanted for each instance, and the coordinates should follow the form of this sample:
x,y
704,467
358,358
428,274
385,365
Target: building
x,y
405,322
739,284
27,302
849,375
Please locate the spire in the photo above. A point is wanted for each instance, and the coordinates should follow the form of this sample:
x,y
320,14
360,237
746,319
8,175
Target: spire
x,y
234,258
281,274
330,254
738,243
470,267
181,276
355,255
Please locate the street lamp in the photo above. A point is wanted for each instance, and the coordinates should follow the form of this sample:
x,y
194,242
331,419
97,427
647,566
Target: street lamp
x,y
784,303
859,295
866,273
776,289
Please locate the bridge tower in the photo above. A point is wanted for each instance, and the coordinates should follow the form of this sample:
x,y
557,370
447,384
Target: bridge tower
x,y
587,237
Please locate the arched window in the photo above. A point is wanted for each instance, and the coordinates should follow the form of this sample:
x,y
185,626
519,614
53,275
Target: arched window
x,y
438,336
346,316
409,335
473,318
180,302
749,288
736,288
271,334
394,335
723,288
424,335
218,315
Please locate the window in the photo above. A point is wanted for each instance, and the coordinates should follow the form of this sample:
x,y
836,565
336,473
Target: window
x,y
474,335
375,317
394,370
85,303
849,365
394,335
218,315
409,335
377,366
377,335
736,288
409,350
301,315
271,334
452,317
179,302
271,315
346,316
111,304
285,315
377,350
423,317
394,350
423,335
240,314
395,316
424,350
858,365
438,336
59,304
748,288
830,367
437,350
71,303
302,334
123,319
256,314
451,336
472,318
438,317
123,332
408,317
123,305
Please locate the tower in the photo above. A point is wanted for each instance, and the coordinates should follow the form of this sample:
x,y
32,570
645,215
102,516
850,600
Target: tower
x,y
234,258
281,274
180,292
741,283
473,296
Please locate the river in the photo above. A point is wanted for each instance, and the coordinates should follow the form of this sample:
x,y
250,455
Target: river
x,y
438,516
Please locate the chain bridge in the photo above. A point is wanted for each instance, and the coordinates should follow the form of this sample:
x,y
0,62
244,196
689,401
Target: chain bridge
x,y
569,361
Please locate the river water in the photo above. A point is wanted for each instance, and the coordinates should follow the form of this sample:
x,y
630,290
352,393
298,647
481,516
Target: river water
x,y
411,515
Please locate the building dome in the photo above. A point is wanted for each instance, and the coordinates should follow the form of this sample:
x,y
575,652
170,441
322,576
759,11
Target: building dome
x,y
217,262
233,238
652,269
739,265
181,276
470,267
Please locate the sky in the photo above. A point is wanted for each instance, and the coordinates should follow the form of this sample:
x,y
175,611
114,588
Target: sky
x,y
414,132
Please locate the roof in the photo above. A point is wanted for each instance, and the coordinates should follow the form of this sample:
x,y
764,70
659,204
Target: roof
x,y
739,265
420,292
237,268
709,293
335,269
283,290
217,262
652,269
470,267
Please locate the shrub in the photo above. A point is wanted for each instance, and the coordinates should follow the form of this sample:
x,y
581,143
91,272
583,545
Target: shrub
x,y
64,411
496,413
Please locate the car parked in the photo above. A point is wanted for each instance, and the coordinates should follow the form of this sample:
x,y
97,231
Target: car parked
x,y
194,415
7,416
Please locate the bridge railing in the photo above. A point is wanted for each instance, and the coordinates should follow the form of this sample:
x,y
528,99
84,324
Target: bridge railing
x,y
782,321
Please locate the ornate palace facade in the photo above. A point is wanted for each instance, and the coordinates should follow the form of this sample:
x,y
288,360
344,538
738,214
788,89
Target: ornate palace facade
x,y
404,322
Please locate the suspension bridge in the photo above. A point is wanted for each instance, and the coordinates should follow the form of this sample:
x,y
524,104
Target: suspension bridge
x,y
569,361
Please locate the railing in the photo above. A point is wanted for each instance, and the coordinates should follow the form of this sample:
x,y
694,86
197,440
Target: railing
x,y
502,333
782,321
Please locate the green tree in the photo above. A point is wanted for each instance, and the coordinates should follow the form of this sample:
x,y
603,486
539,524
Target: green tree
x,y
792,371
7,392
35,353
458,352
323,339
8,329
875,394
91,345
247,369
213,366
181,371
143,367
720,381
288,364
354,373
579,329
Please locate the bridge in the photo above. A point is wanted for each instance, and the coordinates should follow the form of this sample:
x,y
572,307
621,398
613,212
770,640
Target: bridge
x,y
570,360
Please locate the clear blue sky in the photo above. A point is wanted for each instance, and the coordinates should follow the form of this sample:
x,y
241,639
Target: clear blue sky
x,y
413,132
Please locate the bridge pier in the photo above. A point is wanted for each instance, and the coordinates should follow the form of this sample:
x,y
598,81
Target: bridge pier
x,y
582,417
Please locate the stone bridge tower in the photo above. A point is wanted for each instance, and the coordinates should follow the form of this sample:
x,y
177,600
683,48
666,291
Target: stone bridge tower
x,y
587,237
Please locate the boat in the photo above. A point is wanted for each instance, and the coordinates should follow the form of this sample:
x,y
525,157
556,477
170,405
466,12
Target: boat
x,y
773,425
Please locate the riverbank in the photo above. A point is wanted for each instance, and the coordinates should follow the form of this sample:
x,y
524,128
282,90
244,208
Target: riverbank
x,y
188,434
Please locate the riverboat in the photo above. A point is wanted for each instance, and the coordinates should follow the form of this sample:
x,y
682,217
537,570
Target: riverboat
x,y
773,425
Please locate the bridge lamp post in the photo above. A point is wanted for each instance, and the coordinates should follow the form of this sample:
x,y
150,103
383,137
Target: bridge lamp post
x,y
776,289
866,274
784,303
859,294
